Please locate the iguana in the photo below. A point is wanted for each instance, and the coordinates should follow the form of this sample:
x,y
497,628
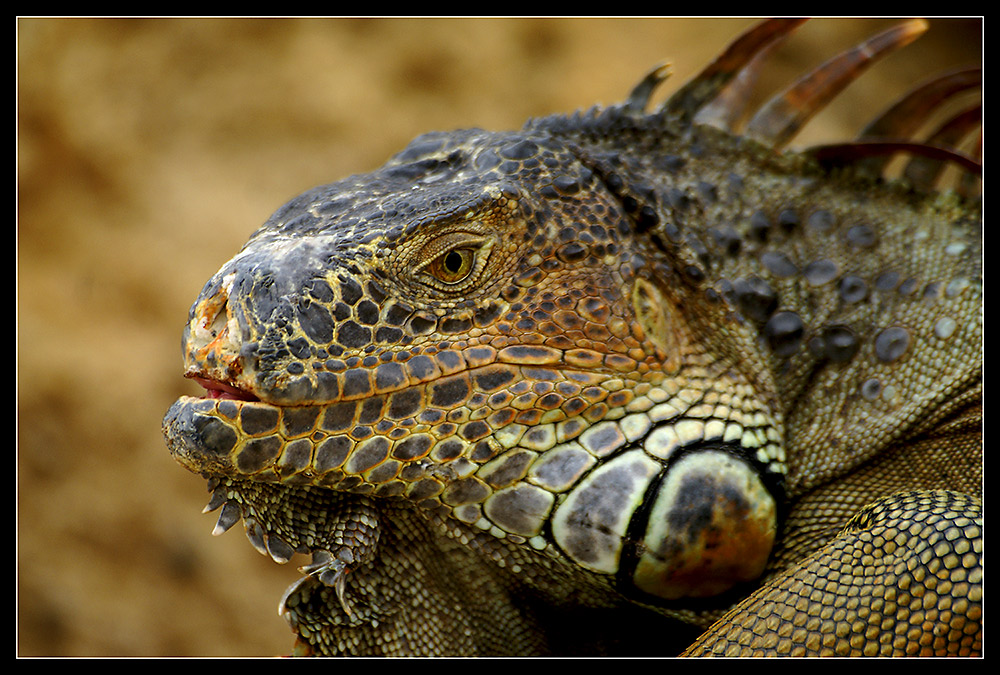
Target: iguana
x,y
620,382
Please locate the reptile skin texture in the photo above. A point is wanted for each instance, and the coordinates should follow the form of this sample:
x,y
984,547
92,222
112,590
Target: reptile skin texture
x,y
629,381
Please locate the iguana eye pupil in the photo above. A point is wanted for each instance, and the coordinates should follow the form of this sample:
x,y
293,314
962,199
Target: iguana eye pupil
x,y
453,262
454,266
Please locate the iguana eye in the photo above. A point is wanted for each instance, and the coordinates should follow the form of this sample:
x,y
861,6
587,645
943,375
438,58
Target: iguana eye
x,y
454,260
453,266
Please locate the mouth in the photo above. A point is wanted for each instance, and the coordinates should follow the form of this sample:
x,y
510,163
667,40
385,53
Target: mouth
x,y
220,390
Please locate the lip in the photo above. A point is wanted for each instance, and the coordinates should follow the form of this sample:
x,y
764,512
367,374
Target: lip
x,y
221,390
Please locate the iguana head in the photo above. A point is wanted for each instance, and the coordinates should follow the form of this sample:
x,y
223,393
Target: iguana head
x,y
478,327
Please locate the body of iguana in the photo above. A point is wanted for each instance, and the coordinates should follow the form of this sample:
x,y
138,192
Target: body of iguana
x,y
587,387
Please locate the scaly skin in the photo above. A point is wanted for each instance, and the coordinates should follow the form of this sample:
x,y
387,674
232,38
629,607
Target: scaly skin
x,y
567,389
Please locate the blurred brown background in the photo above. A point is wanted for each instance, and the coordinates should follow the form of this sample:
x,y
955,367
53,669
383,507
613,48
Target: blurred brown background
x,y
148,150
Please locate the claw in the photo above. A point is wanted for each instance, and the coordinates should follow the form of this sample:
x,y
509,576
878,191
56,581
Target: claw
x,y
291,590
339,585
329,571
335,576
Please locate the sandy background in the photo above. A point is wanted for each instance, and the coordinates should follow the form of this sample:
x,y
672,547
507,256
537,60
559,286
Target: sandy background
x,y
148,150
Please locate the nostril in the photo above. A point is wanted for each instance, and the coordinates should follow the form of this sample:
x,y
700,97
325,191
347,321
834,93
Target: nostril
x,y
220,322
210,319
212,341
